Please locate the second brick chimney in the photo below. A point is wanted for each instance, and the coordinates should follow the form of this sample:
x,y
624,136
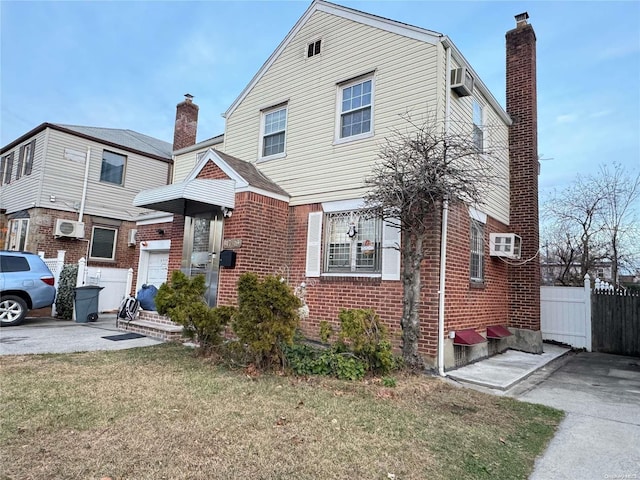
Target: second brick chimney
x,y
524,279
184,133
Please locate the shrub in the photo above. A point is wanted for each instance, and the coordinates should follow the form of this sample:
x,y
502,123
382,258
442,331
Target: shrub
x,y
267,317
307,360
182,300
66,292
362,333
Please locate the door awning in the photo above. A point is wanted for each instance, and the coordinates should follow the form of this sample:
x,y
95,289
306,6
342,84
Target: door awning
x,y
190,198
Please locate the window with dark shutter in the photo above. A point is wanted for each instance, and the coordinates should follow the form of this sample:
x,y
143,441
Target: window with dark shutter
x,y
25,159
7,168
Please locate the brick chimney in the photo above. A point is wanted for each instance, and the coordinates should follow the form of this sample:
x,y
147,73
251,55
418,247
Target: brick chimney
x,y
184,134
524,280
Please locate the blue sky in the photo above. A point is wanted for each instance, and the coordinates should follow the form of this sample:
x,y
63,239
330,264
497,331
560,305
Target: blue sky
x,y
127,64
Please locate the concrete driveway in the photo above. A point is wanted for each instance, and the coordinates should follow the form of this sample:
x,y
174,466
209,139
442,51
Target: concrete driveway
x,y
49,335
600,436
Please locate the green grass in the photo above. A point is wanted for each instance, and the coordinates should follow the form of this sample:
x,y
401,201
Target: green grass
x,y
161,412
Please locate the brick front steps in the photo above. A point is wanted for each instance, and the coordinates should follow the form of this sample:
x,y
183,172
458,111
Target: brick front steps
x,y
152,325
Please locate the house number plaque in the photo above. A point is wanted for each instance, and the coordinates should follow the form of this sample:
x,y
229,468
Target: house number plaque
x,y
231,243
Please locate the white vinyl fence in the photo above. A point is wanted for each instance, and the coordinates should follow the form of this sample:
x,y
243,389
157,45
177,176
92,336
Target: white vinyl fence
x,y
565,315
116,283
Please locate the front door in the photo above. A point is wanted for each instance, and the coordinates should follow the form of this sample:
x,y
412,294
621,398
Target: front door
x,y
202,242
157,268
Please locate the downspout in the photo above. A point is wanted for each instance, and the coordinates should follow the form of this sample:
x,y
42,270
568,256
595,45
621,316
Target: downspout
x,y
445,223
84,186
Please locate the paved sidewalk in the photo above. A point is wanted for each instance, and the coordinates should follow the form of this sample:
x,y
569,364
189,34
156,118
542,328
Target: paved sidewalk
x,y
48,335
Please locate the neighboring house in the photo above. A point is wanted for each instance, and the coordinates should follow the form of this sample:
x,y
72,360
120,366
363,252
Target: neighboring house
x,y
65,187
555,273
282,194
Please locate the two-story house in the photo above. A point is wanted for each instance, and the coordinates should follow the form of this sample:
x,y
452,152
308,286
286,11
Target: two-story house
x,y
282,191
65,187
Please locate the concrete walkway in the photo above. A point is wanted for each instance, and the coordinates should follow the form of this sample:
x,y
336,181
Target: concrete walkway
x,y
503,371
49,335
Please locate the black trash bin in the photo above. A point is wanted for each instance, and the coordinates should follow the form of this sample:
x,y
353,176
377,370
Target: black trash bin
x,y
86,303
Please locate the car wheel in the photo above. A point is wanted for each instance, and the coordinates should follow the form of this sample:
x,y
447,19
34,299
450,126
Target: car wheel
x,y
13,309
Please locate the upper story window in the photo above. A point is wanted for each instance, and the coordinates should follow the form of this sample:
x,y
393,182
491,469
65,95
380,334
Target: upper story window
x,y
112,170
103,243
313,48
353,243
478,125
25,161
6,168
274,126
476,263
355,108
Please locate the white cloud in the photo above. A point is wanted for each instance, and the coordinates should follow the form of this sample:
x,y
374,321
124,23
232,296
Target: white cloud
x,y
567,118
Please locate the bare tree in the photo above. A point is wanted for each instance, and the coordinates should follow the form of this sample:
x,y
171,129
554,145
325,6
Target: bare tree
x,y
594,220
575,212
418,170
618,216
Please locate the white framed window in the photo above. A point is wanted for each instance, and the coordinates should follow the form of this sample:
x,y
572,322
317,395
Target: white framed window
x,y
476,262
112,169
103,243
344,241
18,234
355,109
273,132
478,125
353,243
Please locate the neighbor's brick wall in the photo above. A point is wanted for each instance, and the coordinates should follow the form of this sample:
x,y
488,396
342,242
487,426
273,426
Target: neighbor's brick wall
x,y
41,239
524,279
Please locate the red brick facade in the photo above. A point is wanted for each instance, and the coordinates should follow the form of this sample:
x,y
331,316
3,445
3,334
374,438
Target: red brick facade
x,y
41,238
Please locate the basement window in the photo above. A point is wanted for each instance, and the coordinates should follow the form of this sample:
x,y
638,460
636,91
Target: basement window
x,y
313,48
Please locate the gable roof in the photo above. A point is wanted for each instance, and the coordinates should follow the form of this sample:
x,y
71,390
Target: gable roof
x,y
245,174
124,139
393,26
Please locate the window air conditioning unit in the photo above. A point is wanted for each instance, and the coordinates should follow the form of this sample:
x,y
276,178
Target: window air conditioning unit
x,y
461,82
132,236
69,228
505,245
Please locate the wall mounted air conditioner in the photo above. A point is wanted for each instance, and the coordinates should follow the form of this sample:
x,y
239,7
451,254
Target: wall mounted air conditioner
x,y
461,82
132,236
69,228
505,245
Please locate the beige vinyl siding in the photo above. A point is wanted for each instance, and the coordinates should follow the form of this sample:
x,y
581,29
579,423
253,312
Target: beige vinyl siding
x,y
316,169
64,178
496,143
22,194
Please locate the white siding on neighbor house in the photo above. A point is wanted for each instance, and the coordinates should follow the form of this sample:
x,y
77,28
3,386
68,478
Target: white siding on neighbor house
x,y
496,144
23,193
316,169
64,178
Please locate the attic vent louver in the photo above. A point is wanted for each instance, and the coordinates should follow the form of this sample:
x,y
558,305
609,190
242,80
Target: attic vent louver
x,y
313,48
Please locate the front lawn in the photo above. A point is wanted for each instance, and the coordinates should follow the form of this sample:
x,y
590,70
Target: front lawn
x,y
162,413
